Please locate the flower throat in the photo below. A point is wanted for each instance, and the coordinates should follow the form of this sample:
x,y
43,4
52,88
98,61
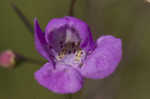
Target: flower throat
x,y
69,48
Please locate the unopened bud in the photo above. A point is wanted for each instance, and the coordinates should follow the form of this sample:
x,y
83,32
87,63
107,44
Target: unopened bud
x,y
10,59
7,59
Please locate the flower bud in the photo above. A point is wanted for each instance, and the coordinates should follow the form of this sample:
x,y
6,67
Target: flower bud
x,y
7,59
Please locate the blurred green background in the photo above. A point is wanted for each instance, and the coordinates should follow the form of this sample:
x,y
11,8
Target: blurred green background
x,y
127,19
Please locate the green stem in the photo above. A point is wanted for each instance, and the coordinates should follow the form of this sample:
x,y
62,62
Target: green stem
x,y
22,58
23,18
69,96
71,9
33,61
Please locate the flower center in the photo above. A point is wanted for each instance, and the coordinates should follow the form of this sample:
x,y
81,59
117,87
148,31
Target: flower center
x,y
67,47
71,54
70,48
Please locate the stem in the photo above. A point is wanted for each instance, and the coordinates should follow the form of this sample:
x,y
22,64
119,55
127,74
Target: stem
x,y
23,18
71,9
30,60
21,58
69,96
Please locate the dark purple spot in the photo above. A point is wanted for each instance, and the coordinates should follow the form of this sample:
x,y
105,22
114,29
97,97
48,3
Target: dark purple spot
x,y
69,51
74,50
61,42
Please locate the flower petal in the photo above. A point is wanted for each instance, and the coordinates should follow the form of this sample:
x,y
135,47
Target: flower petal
x,y
63,79
104,59
40,42
87,42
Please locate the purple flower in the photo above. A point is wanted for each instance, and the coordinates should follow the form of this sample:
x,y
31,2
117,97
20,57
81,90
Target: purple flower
x,y
73,55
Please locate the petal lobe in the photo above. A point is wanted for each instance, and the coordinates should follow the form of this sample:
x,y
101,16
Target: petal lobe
x,y
104,59
61,80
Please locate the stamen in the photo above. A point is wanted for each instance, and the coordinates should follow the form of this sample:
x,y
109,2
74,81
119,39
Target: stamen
x,y
62,54
78,55
71,48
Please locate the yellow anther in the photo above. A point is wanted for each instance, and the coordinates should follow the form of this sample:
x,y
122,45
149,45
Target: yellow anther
x,y
62,54
78,55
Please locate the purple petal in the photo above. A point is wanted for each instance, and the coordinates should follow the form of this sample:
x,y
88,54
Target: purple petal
x,y
40,42
84,32
104,59
63,79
